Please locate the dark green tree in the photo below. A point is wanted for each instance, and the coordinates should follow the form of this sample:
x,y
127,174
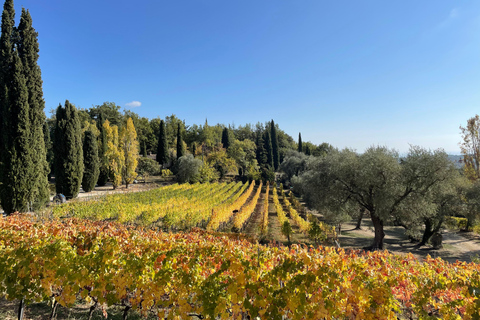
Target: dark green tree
x,y
307,150
102,149
275,147
260,151
68,151
225,138
17,193
91,161
144,149
162,149
300,146
268,148
28,49
6,64
180,147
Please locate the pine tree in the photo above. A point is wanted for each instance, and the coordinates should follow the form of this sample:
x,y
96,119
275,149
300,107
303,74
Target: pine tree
x,y
268,148
308,152
162,149
114,154
68,151
129,145
300,147
91,161
102,149
225,138
180,147
28,49
275,148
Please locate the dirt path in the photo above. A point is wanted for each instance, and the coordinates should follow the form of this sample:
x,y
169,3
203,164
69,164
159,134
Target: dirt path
x,y
255,222
456,246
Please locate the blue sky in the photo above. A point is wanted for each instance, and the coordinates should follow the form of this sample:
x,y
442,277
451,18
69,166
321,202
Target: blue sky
x,y
350,73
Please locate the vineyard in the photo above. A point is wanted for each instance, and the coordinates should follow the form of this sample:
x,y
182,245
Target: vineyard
x,y
119,250
178,206
179,275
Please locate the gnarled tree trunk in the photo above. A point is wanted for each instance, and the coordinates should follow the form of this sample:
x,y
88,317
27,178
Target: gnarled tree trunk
x,y
379,233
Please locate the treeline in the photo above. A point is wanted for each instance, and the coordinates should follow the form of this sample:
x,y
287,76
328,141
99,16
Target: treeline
x,y
210,152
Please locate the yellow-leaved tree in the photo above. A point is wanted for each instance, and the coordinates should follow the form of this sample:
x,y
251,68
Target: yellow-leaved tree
x,y
114,154
470,148
129,145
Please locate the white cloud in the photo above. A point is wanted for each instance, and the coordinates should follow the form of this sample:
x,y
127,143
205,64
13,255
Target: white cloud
x,y
133,104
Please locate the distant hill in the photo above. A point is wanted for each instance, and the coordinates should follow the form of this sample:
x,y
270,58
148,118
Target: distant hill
x,y
457,159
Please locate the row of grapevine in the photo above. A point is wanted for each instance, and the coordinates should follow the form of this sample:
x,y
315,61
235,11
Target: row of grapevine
x,y
305,226
224,212
246,211
176,206
301,223
265,211
282,218
179,275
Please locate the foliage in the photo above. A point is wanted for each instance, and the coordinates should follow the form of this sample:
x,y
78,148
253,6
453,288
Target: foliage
x,y
294,164
102,150
225,138
129,146
68,147
470,148
287,230
215,276
180,144
375,180
207,173
148,167
300,145
275,146
114,154
91,161
188,169
222,163
162,148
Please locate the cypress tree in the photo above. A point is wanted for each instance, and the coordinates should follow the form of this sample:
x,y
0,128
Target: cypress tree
x,y
68,151
180,148
28,49
275,148
308,152
91,161
162,148
261,154
17,191
102,149
225,138
300,147
268,148
144,149
6,76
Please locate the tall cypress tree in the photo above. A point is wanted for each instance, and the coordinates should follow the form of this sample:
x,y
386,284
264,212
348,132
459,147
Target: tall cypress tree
x,y
268,148
28,49
275,148
300,147
225,138
68,151
6,76
91,161
17,191
162,148
180,147
102,149
261,154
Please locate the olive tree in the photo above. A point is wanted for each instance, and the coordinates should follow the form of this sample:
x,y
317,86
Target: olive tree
x,y
377,180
